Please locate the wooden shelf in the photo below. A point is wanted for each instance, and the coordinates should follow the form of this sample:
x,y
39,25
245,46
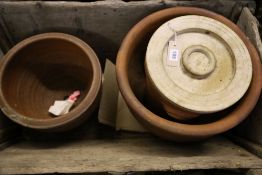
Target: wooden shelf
x,y
123,155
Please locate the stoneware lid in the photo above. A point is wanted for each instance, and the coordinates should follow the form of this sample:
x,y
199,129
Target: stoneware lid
x,y
198,63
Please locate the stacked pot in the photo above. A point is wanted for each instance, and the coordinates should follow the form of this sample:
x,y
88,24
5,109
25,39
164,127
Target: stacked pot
x,y
201,74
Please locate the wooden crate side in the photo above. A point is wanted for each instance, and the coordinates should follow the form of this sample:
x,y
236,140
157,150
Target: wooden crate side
x,y
254,172
251,127
5,43
249,24
102,24
123,155
254,148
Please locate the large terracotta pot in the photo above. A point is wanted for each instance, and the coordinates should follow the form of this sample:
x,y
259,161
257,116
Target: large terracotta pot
x,y
128,61
42,69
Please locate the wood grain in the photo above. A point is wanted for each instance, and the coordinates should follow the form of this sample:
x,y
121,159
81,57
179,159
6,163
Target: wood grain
x,y
123,155
251,127
102,24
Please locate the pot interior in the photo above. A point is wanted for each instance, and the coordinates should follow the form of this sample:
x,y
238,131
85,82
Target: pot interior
x,y
44,71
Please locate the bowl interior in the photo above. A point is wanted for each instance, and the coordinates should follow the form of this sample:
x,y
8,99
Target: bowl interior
x,y
44,71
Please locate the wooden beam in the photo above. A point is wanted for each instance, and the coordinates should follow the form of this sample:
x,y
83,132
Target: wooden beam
x,y
123,155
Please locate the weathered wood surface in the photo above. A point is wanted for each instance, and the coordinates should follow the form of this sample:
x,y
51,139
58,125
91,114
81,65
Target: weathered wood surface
x,y
254,172
251,127
249,24
252,147
123,155
102,24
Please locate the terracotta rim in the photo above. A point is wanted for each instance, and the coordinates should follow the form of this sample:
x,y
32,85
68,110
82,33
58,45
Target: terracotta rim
x,y
86,103
172,130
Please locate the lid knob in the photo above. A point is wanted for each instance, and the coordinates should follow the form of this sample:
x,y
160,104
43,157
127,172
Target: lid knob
x,y
198,61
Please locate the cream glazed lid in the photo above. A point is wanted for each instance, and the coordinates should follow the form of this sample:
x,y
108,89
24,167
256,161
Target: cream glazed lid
x,y
198,64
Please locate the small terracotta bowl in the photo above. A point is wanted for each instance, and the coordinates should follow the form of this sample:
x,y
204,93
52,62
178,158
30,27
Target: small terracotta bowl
x,y
44,68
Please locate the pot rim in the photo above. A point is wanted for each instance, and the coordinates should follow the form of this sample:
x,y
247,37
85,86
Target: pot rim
x,y
55,122
153,122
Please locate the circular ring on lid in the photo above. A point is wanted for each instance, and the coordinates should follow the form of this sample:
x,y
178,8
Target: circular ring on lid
x,y
211,70
199,61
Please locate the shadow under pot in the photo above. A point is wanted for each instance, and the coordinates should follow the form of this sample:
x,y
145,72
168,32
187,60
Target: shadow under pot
x,y
162,125
42,69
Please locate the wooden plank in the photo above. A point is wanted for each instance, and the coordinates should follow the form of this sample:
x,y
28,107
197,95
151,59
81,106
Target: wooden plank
x,y
249,24
7,143
123,155
254,172
5,38
251,127
249,145
8,129
102,24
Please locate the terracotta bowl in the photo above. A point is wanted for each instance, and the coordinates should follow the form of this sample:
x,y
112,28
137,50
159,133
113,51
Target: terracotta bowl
x,y
42,69
131,79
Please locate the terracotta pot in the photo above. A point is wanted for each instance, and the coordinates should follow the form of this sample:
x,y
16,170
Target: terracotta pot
x,y
42,69
135,40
